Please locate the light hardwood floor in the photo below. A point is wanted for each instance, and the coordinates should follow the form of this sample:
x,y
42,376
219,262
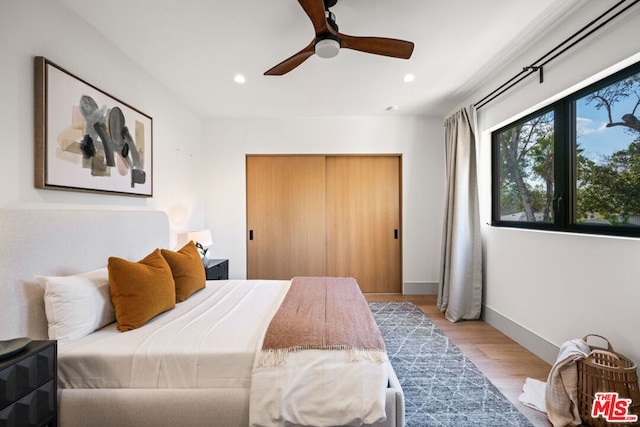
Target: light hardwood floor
x,y
502,360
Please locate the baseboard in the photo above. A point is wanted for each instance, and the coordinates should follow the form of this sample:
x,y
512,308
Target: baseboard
x,y
420,288
538,346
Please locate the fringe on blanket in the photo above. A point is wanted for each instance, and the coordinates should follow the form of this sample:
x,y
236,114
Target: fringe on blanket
x,y
278,357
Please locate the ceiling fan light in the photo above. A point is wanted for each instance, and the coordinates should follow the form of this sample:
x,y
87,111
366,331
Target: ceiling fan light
x,y
327,48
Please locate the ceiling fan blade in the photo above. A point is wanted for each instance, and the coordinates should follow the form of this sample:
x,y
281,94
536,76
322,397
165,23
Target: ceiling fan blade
x,y
378,45
315,11
292,62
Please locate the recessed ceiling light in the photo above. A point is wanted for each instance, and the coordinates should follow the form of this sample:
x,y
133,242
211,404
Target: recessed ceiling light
x,y
392,108
239,78
408,78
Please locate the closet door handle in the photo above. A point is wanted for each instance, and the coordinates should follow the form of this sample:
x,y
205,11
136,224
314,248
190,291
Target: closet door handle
x,y
395,234
250,234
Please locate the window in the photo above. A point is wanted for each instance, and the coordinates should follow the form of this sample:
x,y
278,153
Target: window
x,y
574,165
526,169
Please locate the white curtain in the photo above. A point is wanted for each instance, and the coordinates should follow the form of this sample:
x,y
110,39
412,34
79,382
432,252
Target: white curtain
x,y
460,290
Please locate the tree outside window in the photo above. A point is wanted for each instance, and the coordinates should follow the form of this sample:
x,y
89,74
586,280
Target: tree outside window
x,y
526,170
608,154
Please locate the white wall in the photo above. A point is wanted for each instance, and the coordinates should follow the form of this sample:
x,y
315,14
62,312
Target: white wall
x,y
45,28
420,140
560,286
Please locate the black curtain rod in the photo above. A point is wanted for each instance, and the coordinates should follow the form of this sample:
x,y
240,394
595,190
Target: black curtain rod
x,y
538,66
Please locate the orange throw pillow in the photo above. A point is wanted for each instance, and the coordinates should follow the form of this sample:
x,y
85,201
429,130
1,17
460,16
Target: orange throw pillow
x,y
140,290
187,269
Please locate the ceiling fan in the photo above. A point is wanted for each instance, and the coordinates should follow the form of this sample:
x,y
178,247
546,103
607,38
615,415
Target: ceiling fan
x,y
328,40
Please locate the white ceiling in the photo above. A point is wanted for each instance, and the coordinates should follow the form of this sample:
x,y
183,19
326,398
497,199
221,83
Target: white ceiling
x,y
195,47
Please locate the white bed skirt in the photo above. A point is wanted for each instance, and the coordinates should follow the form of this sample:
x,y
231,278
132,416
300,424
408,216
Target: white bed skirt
x,y
185,407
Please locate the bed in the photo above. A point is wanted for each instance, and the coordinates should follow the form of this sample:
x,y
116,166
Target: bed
x,y
66,242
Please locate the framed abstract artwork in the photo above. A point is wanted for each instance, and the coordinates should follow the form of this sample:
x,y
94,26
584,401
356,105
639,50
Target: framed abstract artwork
x,y
87,140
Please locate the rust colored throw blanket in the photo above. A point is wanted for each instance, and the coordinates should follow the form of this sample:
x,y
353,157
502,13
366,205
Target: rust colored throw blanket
x,y
323,360
324,313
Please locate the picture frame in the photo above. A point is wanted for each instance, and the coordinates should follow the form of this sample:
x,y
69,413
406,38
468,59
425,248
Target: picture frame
x,y
87,140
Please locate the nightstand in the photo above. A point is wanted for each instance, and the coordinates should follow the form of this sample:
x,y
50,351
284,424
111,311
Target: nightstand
x,y
218,269
28,386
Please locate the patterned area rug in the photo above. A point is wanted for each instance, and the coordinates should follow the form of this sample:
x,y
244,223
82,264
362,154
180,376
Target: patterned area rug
x,y
441,386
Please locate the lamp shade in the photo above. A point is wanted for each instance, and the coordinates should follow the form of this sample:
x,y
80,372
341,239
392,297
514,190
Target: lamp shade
x,y
203,237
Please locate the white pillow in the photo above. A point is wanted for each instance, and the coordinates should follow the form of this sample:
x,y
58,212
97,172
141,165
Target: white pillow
x,y
77,305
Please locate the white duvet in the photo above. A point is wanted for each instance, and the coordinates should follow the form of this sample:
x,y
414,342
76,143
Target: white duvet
x,y
207,341
210,341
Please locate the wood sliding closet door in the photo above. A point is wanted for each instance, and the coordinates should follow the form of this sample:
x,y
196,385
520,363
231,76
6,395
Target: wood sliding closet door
x,y
325,216
363,221
285,216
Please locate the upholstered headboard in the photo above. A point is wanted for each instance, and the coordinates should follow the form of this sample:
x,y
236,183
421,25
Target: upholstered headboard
x,y
59,243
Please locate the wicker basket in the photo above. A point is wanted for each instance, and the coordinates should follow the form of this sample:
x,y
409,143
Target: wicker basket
x,y
605,370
